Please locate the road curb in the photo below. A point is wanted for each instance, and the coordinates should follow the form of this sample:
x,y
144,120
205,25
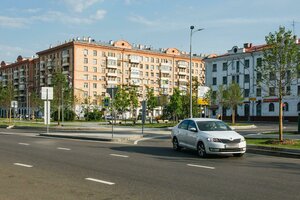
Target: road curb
x,y
272,151
124,140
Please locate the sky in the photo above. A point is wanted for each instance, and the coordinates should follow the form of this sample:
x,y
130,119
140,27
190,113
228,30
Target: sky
x,y
29,26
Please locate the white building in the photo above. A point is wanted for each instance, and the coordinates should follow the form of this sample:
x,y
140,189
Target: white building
x,y
260,103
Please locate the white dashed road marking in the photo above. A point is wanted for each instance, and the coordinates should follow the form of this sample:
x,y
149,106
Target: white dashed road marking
x,y
118,155
65,149
201,166
25,144
23,165
99,181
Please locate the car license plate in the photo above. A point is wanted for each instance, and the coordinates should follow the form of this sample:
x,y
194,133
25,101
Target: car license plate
x,y
229,146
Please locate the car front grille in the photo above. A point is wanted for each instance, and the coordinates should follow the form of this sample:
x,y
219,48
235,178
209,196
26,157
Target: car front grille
x,y
231,150
226,141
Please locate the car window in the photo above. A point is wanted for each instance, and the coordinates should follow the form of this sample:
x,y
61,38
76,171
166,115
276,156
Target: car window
x,y
192,125
184,125
213,126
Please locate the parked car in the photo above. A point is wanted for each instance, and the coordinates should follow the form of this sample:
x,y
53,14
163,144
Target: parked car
x,y
207,136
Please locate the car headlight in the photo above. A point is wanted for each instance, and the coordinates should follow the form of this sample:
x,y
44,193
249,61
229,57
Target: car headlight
x,y
243,139
214,140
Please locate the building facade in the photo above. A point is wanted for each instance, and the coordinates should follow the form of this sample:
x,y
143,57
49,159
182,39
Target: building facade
x,y
92,67
239,65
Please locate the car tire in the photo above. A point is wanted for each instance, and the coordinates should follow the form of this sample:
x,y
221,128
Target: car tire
x,y
238,154
201,150
176,146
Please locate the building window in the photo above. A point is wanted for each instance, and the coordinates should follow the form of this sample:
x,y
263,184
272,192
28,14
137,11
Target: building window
x,y
298,107
95,94
225,80
237,66
85,52
271,91
247,78
85,77
258,77
298,92
246,92
224,66
214,68
95,53
86,61
94,61
85,85
271,107
214,81
285,106
247,63
233,79
258,92
85,94
94,77
95,69
288,90
237,79
85,68
94,85
258,62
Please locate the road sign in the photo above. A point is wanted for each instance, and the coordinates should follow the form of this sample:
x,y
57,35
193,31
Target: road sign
x,y
47,93
203,101
112,91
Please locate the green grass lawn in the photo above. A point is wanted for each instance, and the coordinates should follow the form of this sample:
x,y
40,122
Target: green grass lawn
x,y
263,142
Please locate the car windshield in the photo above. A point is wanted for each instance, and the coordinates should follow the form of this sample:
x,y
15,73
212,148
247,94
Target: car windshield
x,y
213,126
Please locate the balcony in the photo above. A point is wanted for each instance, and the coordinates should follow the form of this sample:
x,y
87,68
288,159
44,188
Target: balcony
x,y
16,76
184,73
16,83
135,82
112,82
42,83
165,67
21,70
182,64
112,62
134,59
183,80
66,64
114,74
21,87
65,72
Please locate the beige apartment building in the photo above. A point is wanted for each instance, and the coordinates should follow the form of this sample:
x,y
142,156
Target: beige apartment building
x,y
91,67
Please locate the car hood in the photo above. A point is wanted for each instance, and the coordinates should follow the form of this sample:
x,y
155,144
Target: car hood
x,y
222,134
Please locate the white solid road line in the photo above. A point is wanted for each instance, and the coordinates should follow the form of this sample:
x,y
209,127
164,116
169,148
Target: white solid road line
x,y
118,155
25,144
65,149
201,166
99,181
23,165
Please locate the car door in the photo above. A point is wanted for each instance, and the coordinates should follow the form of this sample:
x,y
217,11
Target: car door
x,y
182,131
191,135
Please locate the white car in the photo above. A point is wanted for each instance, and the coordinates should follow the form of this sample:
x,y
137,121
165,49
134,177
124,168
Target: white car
x,y
207,136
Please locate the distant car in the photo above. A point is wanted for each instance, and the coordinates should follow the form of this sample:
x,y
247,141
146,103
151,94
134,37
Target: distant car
x,y
207,136
108,117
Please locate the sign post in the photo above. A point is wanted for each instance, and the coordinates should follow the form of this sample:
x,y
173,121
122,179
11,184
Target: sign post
x,y
112,92
144,107
47,94
14,105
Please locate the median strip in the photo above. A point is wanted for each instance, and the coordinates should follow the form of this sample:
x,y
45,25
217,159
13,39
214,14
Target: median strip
x,y
23,165
201,166
99,181
118,155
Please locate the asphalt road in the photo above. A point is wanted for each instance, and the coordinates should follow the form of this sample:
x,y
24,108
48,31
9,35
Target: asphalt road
x,y
48,168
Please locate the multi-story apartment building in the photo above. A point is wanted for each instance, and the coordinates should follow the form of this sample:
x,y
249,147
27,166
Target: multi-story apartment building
x,y
20,74
261,103
91,67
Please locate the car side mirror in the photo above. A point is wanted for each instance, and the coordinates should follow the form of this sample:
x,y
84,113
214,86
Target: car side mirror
x,y
193,129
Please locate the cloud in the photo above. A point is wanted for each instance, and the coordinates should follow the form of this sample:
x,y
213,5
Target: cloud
x,y
80,5
99,15
142,20
12,22
55,16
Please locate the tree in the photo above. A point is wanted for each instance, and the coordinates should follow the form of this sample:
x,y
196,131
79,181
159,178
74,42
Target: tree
x,y
175,105
60,87
36,102
280,64
221,97
232,98
209,97
7,95
133,100
151,100
121,101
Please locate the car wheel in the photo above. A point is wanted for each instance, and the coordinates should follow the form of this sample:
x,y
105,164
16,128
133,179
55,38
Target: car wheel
x,y
238,154
176,146
201,150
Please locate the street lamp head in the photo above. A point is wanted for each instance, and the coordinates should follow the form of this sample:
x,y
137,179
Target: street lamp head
x,y
192,27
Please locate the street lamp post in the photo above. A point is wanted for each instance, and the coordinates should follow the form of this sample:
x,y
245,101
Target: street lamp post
x,y
191,93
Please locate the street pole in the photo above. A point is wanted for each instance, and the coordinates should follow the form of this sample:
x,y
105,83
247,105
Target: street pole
x,y
191,92
62,106
47,115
